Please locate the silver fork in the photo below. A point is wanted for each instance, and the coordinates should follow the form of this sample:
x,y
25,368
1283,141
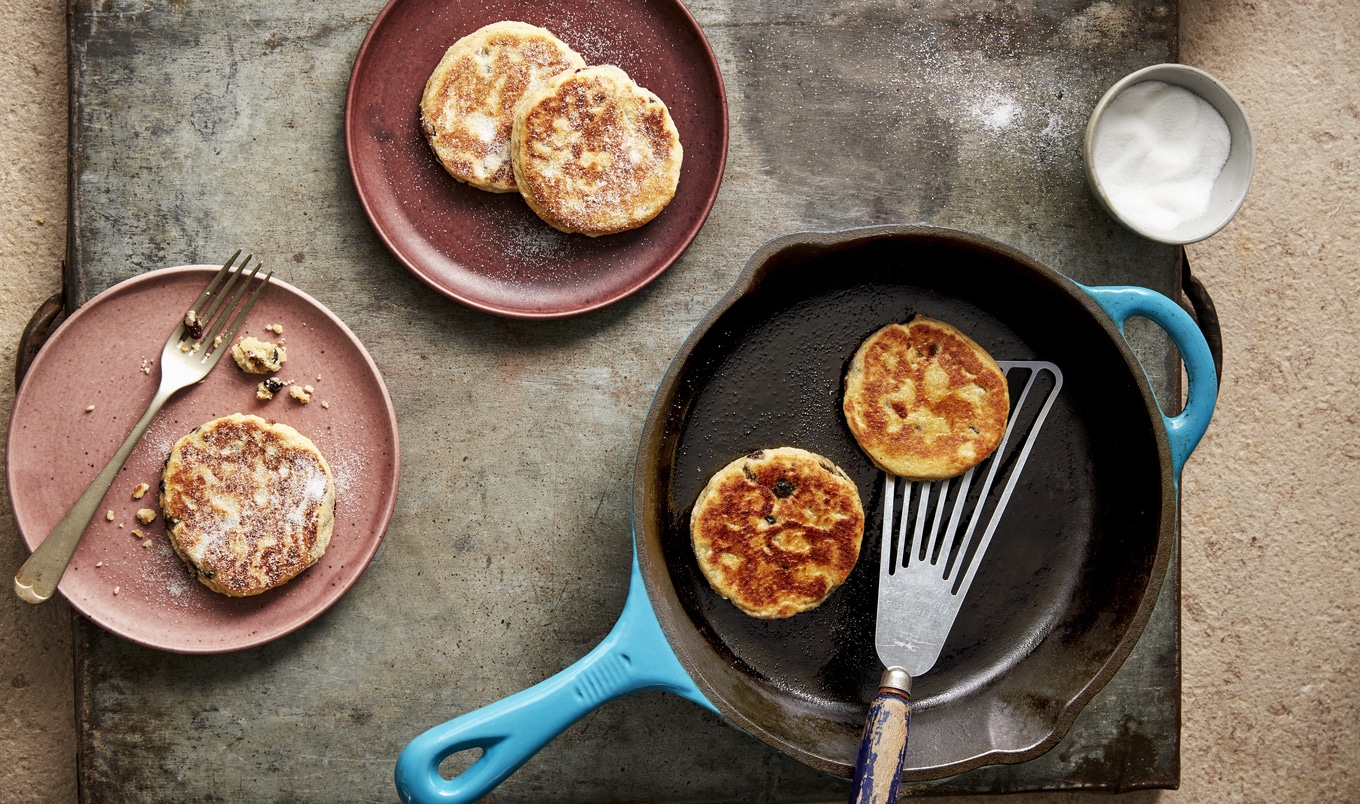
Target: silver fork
x,y
194,347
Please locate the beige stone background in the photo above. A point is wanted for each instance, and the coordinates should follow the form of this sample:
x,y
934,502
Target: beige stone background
x,y
1271,561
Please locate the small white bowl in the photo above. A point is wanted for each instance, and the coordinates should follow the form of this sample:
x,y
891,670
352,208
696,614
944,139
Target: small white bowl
x,y
1230,188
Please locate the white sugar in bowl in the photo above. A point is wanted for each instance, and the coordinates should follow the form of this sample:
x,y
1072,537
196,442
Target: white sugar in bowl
x,y
1169,153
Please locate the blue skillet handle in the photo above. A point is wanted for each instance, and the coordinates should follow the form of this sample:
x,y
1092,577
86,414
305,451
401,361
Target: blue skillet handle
x,y
634,656
1185,429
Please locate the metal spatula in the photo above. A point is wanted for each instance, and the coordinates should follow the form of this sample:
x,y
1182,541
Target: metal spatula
x,y
930,555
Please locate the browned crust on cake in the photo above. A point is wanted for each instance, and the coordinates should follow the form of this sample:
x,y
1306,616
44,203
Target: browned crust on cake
x,y
595,153
467,110
924,401
248,504
777,531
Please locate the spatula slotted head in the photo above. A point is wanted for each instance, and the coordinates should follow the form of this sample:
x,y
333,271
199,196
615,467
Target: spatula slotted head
x,y
936,533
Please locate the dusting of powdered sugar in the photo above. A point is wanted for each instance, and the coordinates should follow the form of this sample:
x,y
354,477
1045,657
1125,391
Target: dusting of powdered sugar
x,y
529,241
159,439
995,111
596,37
347,469
164,575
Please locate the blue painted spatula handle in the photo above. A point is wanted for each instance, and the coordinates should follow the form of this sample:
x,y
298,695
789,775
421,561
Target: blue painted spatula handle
x,y
1185,429
883,748
634,656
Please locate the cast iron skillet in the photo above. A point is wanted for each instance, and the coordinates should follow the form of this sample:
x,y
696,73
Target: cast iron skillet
x,y
1061,597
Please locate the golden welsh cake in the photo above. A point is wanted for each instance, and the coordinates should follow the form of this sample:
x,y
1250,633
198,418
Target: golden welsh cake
x,y
924,401
248,503
595,153
468,107
776,531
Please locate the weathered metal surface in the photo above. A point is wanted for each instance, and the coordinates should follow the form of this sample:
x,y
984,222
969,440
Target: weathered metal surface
x,y
200,128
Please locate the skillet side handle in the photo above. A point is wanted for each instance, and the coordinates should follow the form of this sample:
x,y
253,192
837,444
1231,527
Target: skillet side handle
x,y
634,656
39,328
1205,313
1185,429
883,748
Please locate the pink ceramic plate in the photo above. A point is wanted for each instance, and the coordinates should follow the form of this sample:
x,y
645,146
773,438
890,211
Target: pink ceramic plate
x,y
489,250
56,446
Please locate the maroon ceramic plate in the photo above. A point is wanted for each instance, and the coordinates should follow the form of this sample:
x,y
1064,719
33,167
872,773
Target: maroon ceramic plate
x,y
489,250
56,446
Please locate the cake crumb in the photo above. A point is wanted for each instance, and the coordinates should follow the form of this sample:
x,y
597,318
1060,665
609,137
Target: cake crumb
x,y
146,366
141,489
137,534
98,564
266,390
146,543
109,516
255,356
89,408
300,394
277,329
325,404
193,325
117,589
145,515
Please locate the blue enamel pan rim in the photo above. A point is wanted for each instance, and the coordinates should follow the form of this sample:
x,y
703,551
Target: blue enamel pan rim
x,y
637,655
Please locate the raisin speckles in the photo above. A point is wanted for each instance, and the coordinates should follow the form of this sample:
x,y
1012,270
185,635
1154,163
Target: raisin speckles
x,y
273,385
193,325
782,488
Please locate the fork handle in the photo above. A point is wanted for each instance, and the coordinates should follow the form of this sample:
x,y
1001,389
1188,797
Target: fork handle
x,y
37,579
883,748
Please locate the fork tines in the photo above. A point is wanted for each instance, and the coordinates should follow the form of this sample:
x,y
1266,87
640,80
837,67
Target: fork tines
x,y
209,326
